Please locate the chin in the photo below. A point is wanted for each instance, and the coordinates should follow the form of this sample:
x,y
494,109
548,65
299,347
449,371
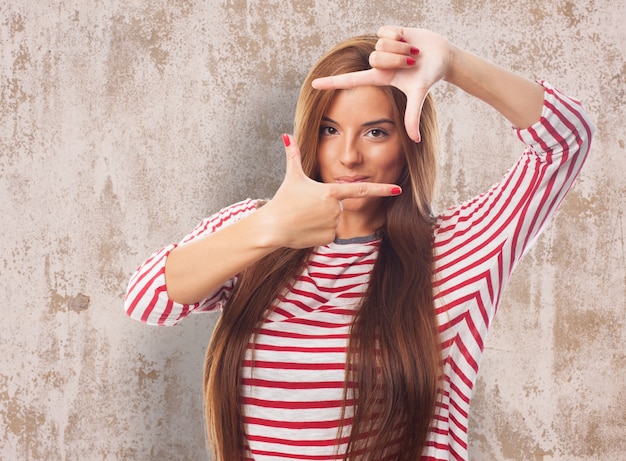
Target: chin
x,y
365,204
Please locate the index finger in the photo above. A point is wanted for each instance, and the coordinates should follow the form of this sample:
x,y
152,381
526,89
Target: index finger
x,y
345,81
365,189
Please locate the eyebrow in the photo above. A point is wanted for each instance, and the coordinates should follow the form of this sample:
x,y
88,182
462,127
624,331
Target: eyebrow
x,y
379,121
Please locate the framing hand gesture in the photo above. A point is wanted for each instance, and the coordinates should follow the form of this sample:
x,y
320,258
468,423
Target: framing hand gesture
x,y
306,212
412,60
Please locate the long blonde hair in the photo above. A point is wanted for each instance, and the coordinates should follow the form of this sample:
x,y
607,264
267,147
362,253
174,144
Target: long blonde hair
x,y
396,376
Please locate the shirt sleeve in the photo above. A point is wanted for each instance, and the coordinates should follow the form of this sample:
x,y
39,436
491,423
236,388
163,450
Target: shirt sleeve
x,y
146,295
479,243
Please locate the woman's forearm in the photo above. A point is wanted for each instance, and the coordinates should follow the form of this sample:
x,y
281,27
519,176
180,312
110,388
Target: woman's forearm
x,y
196,269
518,99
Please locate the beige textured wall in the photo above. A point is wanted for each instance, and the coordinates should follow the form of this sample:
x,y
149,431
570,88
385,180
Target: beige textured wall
x,y
124,123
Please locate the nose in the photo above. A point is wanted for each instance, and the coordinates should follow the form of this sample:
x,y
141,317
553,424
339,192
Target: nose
x,y
351,153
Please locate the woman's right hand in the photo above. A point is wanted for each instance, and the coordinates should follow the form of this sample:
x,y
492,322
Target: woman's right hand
x,y
304,213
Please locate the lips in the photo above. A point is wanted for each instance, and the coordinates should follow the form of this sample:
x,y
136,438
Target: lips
x,y
351,179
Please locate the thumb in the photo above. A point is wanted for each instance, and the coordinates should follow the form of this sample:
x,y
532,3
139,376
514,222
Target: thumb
x,y
414,104
294,162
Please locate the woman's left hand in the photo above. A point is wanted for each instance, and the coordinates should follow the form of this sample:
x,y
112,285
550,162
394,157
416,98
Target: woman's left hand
x,y
412,60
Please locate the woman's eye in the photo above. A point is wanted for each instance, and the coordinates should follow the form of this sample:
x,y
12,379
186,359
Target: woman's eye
x,y
328,130
376,133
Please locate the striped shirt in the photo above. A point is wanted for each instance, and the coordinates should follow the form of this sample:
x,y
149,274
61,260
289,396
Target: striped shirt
x,y
292,398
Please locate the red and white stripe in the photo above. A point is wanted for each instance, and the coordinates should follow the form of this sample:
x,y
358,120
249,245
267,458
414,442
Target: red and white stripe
x,y
292,395
146,296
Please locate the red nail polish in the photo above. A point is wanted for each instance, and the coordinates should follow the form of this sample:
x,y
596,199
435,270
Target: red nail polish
x,y
286,140
396,190
410,61
415,50
402,39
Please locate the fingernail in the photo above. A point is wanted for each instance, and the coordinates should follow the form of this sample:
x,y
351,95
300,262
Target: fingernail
x,y
402,39
410,61
286,140
396,190
415,50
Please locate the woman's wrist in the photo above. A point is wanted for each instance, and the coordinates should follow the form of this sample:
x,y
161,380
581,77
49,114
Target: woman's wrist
x,y
269,232
452,71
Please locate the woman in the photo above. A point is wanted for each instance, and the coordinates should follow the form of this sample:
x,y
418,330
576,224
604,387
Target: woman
x,y
352,318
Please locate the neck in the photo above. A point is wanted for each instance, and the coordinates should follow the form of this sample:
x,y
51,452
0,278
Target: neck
x,y
359,223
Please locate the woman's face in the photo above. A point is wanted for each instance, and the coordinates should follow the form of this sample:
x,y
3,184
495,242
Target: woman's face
x,y
360,142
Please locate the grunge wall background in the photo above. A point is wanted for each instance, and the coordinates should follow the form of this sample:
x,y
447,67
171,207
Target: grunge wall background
x,y
123,123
